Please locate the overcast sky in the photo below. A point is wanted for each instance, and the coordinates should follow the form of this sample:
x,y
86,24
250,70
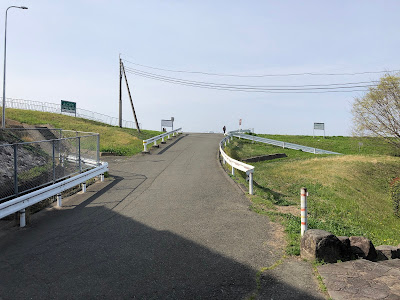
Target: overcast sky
x,y
69,50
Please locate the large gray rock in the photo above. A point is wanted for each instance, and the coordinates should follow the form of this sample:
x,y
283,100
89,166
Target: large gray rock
x,y
363,248
322,245
390,252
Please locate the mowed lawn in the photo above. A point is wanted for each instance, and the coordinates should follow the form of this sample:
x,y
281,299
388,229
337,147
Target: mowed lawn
x,y
348,194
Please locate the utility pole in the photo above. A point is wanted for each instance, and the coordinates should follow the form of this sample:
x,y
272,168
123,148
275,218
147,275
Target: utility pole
x,y
120,91
130,98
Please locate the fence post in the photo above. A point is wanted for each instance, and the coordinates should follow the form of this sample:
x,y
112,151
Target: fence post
x,y
251,183
98,149
15,169
303,199
54,162
79,154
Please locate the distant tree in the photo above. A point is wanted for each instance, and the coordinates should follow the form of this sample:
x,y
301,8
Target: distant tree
x,y
377,113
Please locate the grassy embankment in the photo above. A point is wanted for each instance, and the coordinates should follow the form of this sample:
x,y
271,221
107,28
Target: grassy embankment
x,y
348,194
121,141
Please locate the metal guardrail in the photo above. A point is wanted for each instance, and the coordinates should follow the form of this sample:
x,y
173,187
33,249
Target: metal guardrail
x,y
283,144
19,204
240,131
31,167
235,164
56,108
161,137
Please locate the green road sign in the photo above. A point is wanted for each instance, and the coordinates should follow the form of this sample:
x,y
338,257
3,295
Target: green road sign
x,y
69,107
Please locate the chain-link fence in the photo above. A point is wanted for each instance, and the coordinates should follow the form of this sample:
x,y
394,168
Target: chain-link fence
x,y
56,108
28,165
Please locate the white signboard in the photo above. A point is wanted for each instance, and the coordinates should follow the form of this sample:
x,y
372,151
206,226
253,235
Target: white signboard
x,y
167,123
319,126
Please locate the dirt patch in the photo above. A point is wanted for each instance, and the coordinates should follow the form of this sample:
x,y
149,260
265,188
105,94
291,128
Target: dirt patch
x,y
278,240
292,209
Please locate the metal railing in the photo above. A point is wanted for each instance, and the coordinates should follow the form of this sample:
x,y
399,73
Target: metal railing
x,y
161,137
235,164
56,108
59,154
282,144
240,131
33,171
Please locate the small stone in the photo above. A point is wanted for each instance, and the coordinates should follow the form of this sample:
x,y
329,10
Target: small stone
x,y
363,248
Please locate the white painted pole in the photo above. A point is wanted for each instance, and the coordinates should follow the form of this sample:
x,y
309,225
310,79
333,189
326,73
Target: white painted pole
x,y
84,187
303,200
145,147
251,183
59,200
155,143
22,218
162,140
233,171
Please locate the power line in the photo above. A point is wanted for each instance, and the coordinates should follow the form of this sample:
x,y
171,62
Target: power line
x,y
249,88
339,85
262,75
241,86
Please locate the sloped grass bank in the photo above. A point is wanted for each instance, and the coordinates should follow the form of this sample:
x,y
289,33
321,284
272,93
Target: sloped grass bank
x,y
121,141
348,194
341,144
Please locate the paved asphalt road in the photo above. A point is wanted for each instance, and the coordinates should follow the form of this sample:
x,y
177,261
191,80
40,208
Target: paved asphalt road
x,y
171,225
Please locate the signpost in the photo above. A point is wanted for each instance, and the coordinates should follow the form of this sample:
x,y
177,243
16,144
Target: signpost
x,y
319,126
240,124
167,123
68,107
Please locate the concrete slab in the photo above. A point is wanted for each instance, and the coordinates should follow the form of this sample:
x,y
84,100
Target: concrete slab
x,y
362,279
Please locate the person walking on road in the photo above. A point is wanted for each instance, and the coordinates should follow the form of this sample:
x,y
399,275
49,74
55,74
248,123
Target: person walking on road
x,y
224,129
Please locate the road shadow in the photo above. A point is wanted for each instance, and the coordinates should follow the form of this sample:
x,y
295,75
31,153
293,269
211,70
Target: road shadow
x,y
96,252
170,145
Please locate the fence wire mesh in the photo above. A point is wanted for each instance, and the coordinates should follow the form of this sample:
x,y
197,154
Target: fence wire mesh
x,y
56,108
26,165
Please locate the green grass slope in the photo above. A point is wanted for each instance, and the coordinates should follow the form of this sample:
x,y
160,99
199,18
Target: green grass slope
x,y
121,141
348,194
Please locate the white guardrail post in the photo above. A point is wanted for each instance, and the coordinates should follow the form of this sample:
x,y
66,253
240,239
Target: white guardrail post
x,y
161,137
